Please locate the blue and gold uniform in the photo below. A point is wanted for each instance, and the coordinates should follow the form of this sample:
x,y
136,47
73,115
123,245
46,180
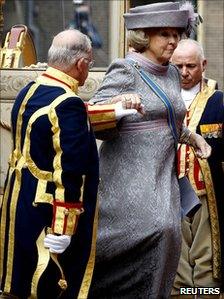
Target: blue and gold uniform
x,y
205,116
51,185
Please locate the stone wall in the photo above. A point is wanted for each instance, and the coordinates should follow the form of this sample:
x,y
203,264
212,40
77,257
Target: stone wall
x,y
210,34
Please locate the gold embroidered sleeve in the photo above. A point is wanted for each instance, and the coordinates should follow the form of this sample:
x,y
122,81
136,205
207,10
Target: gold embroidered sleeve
x,y
65,217
102,116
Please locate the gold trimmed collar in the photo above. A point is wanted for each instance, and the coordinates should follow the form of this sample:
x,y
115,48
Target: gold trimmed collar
x,y
203,84
55,75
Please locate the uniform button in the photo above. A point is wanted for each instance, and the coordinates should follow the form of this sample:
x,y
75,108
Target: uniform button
x,y
66,212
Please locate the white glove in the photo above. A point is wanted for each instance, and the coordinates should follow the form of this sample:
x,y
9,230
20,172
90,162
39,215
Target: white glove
x,y
121,112
57,244
202,148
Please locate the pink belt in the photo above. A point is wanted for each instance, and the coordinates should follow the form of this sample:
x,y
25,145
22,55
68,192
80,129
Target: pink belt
x,y
143,126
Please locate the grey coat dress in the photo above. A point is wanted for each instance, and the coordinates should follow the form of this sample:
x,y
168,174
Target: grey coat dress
x,y
138,243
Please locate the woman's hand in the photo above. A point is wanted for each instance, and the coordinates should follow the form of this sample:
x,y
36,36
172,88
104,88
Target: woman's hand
x,y
201,147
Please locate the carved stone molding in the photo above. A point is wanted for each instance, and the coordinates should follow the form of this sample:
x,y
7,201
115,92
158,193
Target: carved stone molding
x,y
12,80
91,85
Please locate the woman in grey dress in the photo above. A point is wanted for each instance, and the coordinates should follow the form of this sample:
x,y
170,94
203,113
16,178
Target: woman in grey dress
x,y
138,243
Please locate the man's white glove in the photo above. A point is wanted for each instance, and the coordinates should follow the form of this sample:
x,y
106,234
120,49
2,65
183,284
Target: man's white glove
x,y
201,147
121,112
57,244
125,104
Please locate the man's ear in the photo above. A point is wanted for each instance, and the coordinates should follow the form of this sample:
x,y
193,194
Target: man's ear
x,y
204,64
80,64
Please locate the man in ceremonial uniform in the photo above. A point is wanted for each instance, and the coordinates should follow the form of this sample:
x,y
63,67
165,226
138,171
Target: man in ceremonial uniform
x,y
48,213
202,258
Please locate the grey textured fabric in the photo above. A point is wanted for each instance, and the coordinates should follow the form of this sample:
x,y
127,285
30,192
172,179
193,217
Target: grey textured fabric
x,y
139,239
166,14
166,6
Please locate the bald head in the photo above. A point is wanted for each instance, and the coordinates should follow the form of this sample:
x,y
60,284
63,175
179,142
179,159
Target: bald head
x,y
67,47
68,39
189,58
190,45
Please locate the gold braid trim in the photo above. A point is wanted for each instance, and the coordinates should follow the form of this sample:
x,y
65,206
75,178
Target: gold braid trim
x,y
53,117
44,256
62,281
4,209
16,189
196,110
11,230
43,260
36,172
198,106
212,207
84,289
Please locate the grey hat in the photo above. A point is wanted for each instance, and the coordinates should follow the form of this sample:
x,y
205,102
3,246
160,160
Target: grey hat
x,y
168,14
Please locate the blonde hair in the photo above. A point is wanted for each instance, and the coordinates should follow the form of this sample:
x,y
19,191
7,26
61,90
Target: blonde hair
x,y
138,39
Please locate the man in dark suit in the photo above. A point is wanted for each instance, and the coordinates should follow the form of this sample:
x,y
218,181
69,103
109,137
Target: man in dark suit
x,y
202,258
